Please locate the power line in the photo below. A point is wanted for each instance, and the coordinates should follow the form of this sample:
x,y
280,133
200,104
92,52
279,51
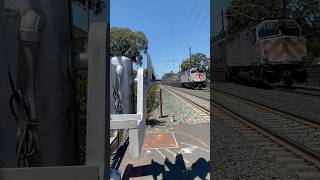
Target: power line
x,y
186,22
173,27
193,35
192,27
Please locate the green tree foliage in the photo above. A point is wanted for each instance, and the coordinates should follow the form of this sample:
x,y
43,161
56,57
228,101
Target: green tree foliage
x,y
124,42
97,6
243,13
198,60
166,76
151,100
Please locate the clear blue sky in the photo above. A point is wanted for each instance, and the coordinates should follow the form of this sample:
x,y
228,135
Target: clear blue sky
x,y
171,26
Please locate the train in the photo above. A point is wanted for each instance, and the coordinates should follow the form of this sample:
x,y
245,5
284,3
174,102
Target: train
x,y
191,78
271,52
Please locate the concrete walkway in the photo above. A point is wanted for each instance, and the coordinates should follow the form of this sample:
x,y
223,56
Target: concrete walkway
x,y
179,152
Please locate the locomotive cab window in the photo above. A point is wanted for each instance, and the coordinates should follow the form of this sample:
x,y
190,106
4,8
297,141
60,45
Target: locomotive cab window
x,y
268,32
290,31
193,71
289,28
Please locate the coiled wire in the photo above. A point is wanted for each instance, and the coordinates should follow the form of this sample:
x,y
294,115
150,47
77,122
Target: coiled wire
x,y
117,94
27,143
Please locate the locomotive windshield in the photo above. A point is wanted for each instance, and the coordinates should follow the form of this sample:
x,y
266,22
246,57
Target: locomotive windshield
x,y
268,30
289,28
278,28
193,70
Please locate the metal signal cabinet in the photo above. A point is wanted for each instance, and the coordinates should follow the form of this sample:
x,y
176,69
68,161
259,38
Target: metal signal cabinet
x,y
39,33
121,84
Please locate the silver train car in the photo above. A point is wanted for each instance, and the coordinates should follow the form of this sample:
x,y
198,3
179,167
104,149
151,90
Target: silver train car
x,y
192,78
272,51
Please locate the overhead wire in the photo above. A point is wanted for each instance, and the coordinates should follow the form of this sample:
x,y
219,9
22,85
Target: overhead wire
x,y
192,26
193,35
172,28
184,27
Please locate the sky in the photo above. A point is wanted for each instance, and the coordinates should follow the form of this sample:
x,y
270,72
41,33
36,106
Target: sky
x,y
171,26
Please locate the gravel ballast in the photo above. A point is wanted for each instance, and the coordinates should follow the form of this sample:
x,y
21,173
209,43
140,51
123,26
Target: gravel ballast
x,y
233,157
297,104
184,113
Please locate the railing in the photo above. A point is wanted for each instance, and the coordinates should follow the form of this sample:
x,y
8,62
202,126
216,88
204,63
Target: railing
x,y
134,122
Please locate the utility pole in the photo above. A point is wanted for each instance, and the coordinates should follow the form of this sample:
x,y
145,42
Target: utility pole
x,y
222,21
284,9
190,52
88,17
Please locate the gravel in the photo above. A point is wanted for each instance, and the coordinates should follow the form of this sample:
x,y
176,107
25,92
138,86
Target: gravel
x,y
297,104
233,157
184,113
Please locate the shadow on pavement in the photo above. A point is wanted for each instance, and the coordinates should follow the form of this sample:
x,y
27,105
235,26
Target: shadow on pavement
x,y
117,159
176,171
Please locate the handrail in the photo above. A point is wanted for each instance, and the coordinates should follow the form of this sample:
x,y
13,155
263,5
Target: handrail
x,y
134,122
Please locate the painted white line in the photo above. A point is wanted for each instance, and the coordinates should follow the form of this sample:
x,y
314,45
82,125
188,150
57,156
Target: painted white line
x,y
175,140
187,150
162,148
160,153
195,147
174,154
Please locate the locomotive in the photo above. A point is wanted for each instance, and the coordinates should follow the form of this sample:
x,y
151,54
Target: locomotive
x,y
274,51
192,78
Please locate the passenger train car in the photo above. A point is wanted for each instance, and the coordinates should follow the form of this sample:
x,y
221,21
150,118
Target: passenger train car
x,y
272,51
192,78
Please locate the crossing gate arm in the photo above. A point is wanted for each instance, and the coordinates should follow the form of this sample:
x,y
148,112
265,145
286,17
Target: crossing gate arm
x,y
134,122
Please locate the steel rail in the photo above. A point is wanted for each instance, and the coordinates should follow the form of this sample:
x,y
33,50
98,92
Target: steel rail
x,y
258,104
292,91
287,140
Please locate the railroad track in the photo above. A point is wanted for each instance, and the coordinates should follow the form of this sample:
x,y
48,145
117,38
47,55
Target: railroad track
x,y
196,101
300,90
299,152
281,134
202,94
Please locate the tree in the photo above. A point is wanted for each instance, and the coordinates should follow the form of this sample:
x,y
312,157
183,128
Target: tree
x,y
124,42
198,60
243,13
166,76
96,5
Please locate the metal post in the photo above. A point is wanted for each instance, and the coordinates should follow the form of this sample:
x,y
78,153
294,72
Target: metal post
x,y
98,110
171,119
190,53
222,21
161,114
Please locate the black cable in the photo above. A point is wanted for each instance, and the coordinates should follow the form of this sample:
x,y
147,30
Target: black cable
x,y
27,140
117,95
